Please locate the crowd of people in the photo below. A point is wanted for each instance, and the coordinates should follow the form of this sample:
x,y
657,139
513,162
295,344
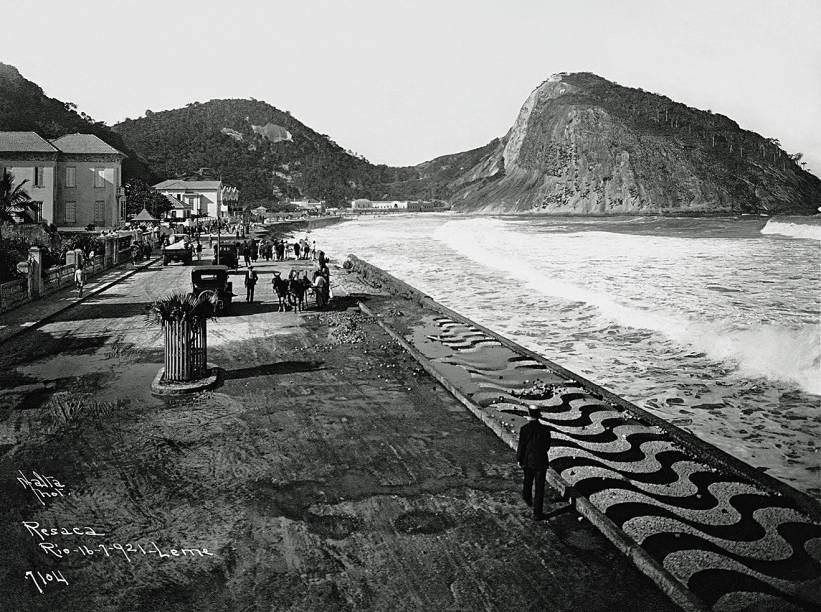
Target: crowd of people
x,y
253,250
291,291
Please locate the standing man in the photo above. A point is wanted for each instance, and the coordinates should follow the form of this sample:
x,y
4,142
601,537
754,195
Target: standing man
x,y
251,278
80,279
534,442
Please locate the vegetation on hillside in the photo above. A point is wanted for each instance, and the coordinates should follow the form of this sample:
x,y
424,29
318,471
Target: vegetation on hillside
x,y
24,107
744,162
180,142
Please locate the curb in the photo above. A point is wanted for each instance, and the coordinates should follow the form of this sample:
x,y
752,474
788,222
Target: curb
x,y
651,568
61,310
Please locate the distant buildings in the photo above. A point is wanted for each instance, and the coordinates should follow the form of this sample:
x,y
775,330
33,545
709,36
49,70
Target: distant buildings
x,y
363,204
309,205
74,180
203,198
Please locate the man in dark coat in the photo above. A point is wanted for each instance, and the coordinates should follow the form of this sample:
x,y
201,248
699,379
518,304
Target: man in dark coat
x,y
534,442
251,278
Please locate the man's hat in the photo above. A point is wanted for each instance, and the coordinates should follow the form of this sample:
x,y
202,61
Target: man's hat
x,y
276,272
534,412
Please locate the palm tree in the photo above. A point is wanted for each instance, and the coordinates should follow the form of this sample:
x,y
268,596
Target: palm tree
x,y
16,205
183,317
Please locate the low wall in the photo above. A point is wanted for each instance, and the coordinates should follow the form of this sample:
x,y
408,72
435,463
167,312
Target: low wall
x,y
280,228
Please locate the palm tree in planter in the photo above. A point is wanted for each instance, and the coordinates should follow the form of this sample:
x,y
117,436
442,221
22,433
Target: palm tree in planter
x,y
183,317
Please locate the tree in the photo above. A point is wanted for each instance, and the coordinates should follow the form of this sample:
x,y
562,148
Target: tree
x,y
139,195
16,205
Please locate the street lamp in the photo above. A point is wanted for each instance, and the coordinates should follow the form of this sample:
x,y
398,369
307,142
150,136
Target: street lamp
x,y
219,211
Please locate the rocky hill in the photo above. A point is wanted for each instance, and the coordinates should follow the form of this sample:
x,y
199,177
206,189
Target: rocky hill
x,y
25,107
265,152
580,145
584,145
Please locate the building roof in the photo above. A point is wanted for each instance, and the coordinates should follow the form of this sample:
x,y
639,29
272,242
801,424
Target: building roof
x,y
172,184
145,216
176,204
24,142
84,143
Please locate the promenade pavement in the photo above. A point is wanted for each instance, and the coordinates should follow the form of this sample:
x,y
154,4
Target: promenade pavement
x,y
17,320
327,472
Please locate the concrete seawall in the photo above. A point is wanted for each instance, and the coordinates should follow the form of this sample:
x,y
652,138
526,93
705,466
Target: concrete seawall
x,y
710,530
300,225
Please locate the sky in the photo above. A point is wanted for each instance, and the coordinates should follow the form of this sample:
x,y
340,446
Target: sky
x,y
402,82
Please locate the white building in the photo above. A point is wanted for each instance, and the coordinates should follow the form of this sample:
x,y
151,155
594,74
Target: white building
x,y
204,198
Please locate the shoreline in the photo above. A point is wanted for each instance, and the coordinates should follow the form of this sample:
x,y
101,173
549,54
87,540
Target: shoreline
x,y
500,405
334,467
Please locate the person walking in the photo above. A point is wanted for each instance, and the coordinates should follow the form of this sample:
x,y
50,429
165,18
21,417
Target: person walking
x,y
246,254
313,251
80,280
199,250
251,278
532,456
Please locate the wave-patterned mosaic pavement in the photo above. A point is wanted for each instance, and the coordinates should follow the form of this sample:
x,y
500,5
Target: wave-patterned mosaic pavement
x,y
732,541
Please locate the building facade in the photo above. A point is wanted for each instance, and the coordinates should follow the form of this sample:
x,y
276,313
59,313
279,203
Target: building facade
x,y
74,181
202,198
398,205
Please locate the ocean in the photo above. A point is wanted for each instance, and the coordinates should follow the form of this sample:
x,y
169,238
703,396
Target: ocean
x,y
711,323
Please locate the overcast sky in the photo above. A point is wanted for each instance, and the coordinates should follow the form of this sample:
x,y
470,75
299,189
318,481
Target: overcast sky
x,y
403,82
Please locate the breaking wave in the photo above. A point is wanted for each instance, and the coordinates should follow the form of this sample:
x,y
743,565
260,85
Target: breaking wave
x,y
779,352
810,229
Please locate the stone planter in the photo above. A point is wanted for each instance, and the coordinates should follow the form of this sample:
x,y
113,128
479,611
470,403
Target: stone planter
x,y
186,349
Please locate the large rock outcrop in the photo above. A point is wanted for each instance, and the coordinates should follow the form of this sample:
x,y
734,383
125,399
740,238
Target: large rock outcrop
x,y
584,145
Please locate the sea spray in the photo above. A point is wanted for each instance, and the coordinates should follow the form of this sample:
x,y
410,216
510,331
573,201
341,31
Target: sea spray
x,y
804,227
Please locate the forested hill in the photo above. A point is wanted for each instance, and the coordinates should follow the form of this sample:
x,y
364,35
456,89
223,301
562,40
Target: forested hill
x,y
25,107
585,145
580,145
263,151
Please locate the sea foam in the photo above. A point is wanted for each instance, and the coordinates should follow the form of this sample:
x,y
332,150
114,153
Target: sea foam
x,y
787,353
811,229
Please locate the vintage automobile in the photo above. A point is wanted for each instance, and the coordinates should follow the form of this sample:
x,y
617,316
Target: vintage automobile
x,y
214,280
228,256
178,251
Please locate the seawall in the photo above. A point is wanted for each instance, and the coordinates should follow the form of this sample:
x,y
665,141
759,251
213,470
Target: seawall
x,y
280,228
707,528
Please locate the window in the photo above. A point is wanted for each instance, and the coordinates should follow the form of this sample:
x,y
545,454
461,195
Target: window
x,y
122,209
99,212
71,212
99,177
71,176
39,176
37,211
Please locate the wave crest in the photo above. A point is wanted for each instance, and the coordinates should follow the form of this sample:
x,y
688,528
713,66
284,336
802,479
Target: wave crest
x,y
790,354
807,229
